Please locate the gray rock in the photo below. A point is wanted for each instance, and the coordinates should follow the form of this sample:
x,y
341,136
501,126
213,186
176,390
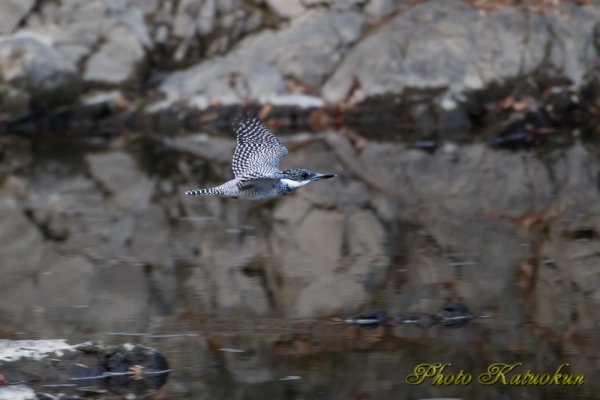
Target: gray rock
x,y
256,70
194,17
218,150
197,30
14,350
54,369
134,20
22,255
449,45
150,241
87,11
339,191
327,294
366,240
15,101
70,210
117,281
145,6
65,282
23,246
379,8
12,12
85,34
310,49
224,80
412,176
75,53
17,392
221,281
48,13
119,61
287,8
30,67
312,247
119,175
252,369
291,212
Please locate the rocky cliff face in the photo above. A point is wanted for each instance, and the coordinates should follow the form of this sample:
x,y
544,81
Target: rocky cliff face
x,y
200,53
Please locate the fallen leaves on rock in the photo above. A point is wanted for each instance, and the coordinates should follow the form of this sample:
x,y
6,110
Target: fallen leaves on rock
x,y
525,275
136,372
296,86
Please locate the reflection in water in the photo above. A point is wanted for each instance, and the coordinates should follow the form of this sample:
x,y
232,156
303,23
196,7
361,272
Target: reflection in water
x,y
250,300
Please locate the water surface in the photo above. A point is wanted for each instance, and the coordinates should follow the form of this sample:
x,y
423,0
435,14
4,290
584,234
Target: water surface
x,y
247,300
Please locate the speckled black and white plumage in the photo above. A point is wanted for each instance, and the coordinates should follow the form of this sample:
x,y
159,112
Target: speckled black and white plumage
x,y
255,166
258,152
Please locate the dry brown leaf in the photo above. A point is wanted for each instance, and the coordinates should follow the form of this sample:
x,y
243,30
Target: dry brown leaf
x,y
525,275
136,372
265,111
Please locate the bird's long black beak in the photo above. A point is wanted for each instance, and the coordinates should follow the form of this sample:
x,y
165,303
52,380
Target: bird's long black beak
x,y
318,177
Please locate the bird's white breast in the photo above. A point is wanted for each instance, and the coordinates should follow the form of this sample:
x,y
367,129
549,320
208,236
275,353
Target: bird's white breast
x,y
294,184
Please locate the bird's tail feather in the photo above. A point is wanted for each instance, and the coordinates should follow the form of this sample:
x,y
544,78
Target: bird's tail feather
x,y
203,192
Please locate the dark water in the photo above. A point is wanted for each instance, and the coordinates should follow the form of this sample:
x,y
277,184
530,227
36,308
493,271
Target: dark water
x,y
247,300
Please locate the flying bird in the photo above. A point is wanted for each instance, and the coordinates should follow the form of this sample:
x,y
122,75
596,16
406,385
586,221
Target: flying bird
x,y
255,166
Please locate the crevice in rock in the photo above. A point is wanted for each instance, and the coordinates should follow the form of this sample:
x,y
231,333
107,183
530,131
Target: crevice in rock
x,y
35,8
583,233
45,227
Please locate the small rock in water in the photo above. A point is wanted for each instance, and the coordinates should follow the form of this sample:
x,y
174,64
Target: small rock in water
x,y
422,320
455,315
513,137
290,378
231,350
17,392
429,144
62,370
452,316
372,318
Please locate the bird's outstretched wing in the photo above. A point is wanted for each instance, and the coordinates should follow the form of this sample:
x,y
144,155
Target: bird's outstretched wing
x,y
258,152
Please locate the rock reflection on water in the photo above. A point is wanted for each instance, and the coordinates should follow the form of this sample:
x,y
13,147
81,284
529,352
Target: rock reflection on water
x,y
99,242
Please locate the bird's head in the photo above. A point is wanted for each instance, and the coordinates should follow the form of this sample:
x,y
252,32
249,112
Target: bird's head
x,y
298,177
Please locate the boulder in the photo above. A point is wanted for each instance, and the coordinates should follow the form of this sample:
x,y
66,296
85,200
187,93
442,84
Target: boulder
x,y
33,73
194,17
379,8
306,51
311,48
224,80
198,29
12,13
450,45
366,238
56,369
119,61
118,174
22,248
328,294
287,8
313,247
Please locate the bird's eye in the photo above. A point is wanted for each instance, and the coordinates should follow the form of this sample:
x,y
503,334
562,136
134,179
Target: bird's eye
x,y
304,175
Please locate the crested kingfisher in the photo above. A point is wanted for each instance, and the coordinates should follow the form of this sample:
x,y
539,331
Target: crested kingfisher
x,y
255,166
